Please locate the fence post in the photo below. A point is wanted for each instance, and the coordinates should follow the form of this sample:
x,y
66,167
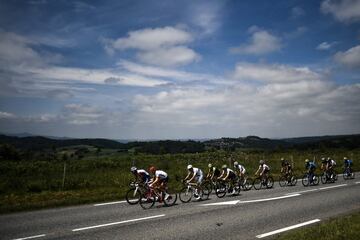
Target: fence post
x,y
64,175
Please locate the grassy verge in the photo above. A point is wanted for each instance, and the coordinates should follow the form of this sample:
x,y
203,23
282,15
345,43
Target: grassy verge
x,y
344,227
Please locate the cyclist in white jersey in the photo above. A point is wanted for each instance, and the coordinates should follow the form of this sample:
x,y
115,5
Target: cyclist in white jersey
x,y
240,169
194,174
228,174
159,180
263,169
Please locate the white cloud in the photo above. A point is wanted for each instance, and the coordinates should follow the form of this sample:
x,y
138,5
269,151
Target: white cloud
x,y
273,73
287,101
349,58
153,38
172,56
325,45
157,46
206,16
343,10
261,42
6,115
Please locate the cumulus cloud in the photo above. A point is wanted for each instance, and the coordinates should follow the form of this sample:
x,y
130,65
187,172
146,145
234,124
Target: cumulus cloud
x,y
349,58
206,16
285,98
343,10
159,46
261,42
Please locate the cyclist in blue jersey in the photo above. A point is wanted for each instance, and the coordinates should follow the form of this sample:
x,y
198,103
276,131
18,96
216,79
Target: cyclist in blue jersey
x,y
311,167
140,175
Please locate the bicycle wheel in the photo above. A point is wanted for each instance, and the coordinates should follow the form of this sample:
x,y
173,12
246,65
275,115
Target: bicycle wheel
x,y
133,196
293,180
257,183
220,189
147,201
171,199
185,194
270,182
247,184
316,180
206,192
324,178
283,181
208,187
346,175
305,180
237,188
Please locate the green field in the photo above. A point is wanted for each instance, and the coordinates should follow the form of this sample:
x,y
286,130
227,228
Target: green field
x,y
104,176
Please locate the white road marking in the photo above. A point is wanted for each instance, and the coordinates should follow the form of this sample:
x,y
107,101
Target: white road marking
x,y
305,191
222,203
249,201
287,228
357,182
336,186
108,203
31,237
116,223
269,199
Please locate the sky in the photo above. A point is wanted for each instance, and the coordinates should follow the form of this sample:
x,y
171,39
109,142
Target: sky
x,y
191,69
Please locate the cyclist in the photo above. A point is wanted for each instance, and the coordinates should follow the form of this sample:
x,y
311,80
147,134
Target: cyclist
x,y
311,167
330,167
228,174
240,170
286,168
348,164
140,175
263,169
213,172
159,180
194,174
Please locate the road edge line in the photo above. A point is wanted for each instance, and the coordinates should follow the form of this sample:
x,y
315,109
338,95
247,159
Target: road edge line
x,y
287,228
31,237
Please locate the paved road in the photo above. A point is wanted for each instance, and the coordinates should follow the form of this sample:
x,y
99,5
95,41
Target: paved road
x,y
242,217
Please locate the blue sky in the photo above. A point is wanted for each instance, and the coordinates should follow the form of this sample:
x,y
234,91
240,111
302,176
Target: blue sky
x,y
180,69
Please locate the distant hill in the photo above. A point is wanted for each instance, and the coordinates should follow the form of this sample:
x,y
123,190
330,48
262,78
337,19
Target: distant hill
x,y
38,143
41,143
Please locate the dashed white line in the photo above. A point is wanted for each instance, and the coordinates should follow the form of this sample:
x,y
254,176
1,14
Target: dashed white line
x,y
269,199
357,182
116,223
31,237
108,203
305,191
336,186
287,228
249,201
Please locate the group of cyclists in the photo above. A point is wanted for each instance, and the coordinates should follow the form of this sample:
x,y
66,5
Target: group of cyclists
x,y
195,175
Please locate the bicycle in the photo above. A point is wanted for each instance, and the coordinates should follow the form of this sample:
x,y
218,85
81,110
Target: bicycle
x,y
261,182
148,199
287,180
209,185
328,177
245,182
224,187
135,192
348,173
310,179
193,190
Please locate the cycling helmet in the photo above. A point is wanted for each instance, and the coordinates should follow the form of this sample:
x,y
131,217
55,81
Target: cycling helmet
x,y
306,160
210,165
261,162
152,169
282,159
189,166
236,163
133,169
224,166
345,158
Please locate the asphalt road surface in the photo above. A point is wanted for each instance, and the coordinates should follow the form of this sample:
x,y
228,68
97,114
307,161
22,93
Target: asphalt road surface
x,y
247,216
